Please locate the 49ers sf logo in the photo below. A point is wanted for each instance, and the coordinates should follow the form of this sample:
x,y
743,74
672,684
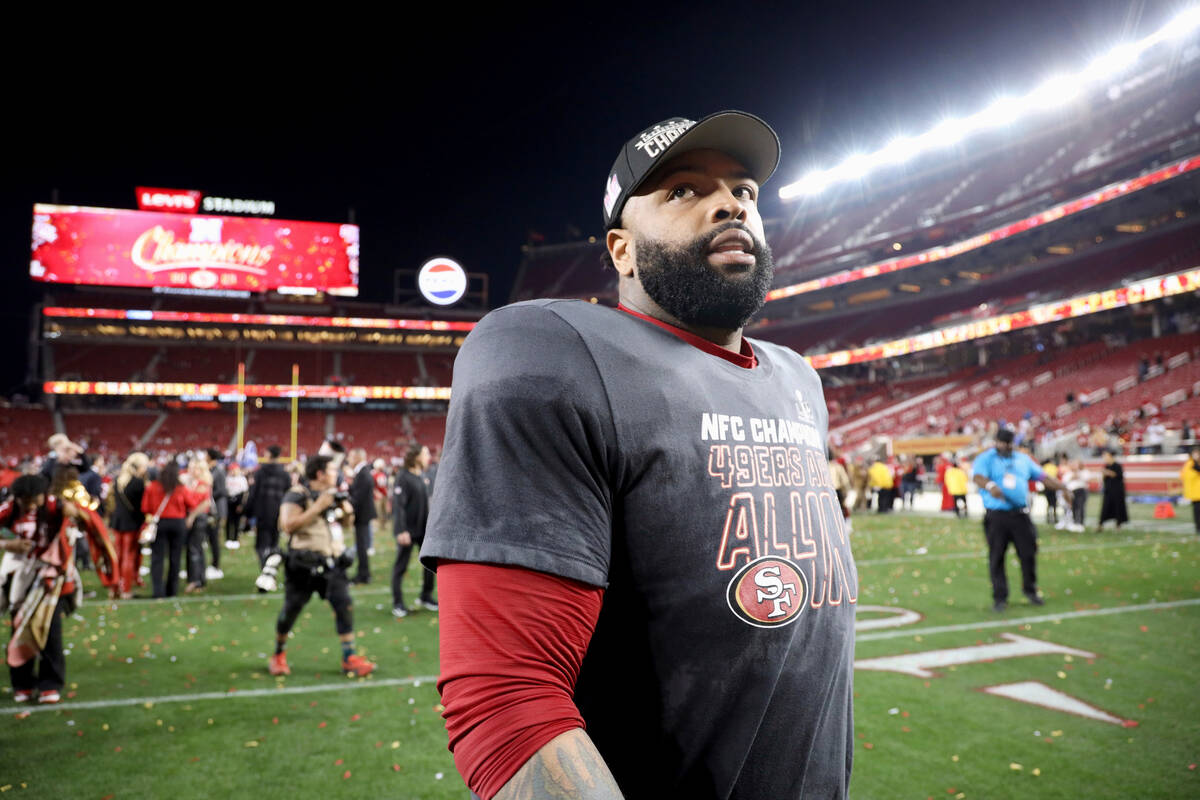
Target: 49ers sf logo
x,y
768,593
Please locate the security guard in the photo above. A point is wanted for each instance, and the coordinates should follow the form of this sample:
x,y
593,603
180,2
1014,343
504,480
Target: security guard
x,y
1003,479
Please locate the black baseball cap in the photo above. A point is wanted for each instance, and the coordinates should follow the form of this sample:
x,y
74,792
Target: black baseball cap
x,y
742,136
1004,435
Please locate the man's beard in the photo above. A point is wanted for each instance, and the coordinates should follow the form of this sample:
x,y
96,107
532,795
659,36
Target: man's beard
x,y
687,287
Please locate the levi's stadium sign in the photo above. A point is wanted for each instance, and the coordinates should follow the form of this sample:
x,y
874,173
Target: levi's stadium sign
x,y
190,201
176,201
117,247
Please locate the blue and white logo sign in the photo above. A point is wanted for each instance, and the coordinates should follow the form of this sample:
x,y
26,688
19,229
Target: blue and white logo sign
x,y
442,281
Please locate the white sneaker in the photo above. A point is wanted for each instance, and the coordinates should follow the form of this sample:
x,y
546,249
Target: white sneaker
x,y
230,544
183,574
143,571
370,551
213,573
146,551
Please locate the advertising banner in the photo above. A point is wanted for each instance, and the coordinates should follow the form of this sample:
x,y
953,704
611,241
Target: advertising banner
x,y
115,247
931,445
1079,306
232,392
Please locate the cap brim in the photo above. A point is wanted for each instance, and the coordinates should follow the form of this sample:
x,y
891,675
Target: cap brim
x,y
742,136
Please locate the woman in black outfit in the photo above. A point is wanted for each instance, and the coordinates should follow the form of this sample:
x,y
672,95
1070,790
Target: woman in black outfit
x,y
1113,504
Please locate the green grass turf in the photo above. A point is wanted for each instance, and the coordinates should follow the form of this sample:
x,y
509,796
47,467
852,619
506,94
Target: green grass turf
x,y
383,736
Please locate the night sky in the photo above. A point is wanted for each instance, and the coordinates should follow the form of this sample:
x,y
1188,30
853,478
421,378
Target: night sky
x,y
460,134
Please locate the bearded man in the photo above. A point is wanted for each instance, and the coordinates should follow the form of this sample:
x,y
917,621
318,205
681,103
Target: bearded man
x,y
634,527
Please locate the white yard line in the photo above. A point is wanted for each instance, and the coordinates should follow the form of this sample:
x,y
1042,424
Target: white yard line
x,y
347,685
902,633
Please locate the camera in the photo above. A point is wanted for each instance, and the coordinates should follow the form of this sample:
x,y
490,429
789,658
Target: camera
x,y
341,497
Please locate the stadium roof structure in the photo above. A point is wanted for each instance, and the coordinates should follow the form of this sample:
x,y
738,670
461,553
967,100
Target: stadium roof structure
x,y
1055,92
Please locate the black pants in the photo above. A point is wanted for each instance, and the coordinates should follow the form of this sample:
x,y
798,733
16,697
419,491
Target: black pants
x,y
1196,514
304,577
213,534
362,543
83,555
195,547
884,499
48,670
266,537
960,505
1051,506
172,534
1002,527
1079,505
233,523
403,554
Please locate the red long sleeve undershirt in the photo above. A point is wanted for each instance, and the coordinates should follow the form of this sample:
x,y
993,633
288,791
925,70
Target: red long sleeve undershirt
x,y
512,642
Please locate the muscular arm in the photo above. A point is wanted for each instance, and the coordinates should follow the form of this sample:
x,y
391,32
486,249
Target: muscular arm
x,y
982,482
1055,484
292,518
513,641
566,767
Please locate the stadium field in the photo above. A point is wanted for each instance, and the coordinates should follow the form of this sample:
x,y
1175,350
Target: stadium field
x,y
1092,694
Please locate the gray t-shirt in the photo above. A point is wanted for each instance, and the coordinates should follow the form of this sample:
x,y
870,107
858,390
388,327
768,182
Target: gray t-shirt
x,y
587,443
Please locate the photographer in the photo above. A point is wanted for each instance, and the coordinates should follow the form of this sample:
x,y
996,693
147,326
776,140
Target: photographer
x,y
316,561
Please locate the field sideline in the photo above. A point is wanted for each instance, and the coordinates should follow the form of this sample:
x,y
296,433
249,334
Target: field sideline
x,y
1095,691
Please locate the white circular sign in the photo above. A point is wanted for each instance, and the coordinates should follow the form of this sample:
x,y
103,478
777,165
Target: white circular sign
x,y
442,281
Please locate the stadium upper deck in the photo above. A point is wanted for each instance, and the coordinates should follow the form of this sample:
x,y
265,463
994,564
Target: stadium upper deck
x,y
974,202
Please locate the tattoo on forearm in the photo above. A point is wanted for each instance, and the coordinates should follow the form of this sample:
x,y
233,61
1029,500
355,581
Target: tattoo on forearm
x,y
567,768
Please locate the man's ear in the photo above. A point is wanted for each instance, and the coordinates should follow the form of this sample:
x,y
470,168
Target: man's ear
x,y
620,249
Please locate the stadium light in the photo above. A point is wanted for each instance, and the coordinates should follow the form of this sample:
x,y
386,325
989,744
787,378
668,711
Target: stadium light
x,y
1184,23
1114,62
947,133
853,167
1051,93
1001,112
899,150
811,184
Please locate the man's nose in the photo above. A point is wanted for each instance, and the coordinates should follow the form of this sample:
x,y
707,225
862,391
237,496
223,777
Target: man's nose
x,y
726,206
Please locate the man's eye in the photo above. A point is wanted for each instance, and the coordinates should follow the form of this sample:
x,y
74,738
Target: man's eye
x,y
744,192
681,192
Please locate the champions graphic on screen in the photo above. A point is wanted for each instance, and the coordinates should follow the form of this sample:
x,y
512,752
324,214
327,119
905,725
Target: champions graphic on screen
x,y
442,281
119,247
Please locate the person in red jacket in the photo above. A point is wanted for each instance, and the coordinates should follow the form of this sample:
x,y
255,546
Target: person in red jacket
x,y
174,506
944,463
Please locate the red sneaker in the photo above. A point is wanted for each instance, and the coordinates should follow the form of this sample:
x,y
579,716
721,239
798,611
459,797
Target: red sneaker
x,y
357,667
49,697
22,695
278,665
